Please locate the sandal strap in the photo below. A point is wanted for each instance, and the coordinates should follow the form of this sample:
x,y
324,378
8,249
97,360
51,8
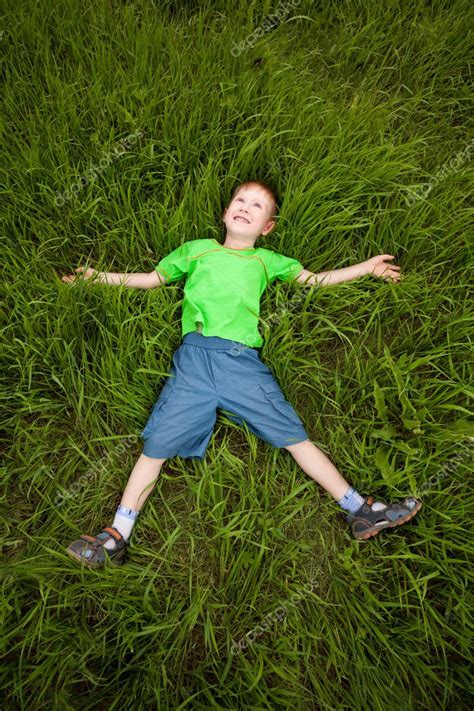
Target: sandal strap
x,y
114,533
110,530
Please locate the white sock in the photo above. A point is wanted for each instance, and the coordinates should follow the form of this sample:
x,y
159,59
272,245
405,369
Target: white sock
x,y
352,501
124,522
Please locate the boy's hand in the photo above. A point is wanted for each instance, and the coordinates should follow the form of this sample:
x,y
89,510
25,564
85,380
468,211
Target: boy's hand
x,y
74,278
379,268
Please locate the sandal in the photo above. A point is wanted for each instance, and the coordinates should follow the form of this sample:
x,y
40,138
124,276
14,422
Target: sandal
x,y
366,522
91,551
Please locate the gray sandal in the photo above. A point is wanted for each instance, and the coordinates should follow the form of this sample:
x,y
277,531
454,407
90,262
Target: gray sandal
x,y
91,551
366,522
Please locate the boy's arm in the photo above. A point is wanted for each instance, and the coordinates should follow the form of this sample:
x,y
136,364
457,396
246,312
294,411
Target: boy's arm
x,y
376,266
137,280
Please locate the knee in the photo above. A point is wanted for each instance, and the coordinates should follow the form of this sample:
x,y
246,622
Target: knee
x,y
155,460
295,447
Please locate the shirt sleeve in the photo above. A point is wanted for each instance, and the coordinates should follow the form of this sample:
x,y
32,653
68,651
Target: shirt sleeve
x,y
175,265
284,268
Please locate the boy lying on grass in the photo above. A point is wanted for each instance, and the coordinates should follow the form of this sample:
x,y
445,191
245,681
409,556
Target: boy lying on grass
x,y
218,365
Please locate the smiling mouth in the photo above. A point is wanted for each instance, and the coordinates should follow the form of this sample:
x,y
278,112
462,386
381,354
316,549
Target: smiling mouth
x,y
242,218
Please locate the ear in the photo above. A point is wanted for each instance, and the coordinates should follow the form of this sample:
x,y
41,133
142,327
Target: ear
x,y
223,214
268,227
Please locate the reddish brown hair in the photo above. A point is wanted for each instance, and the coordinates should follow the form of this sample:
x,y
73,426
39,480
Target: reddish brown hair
x,y
266,188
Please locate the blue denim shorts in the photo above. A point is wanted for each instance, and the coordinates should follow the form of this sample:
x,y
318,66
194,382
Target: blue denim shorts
x,y
209,372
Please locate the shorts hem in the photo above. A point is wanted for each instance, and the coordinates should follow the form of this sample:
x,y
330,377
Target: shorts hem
x,y
174,454
289,444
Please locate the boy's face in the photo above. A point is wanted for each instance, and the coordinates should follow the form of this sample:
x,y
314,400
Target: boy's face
x,y
249,213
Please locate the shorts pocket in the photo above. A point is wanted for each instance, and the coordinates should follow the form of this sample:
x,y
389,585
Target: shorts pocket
x,y
150,424
274,394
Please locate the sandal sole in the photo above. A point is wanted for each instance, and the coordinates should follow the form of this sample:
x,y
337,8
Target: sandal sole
x,y
373,531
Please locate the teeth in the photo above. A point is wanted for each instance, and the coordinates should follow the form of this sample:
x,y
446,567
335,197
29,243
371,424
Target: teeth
x,y
239,217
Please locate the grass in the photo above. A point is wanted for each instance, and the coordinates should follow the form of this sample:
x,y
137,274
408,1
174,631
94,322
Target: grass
x,y
348,109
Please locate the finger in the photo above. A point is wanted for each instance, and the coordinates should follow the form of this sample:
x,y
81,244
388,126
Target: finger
x,y
71,278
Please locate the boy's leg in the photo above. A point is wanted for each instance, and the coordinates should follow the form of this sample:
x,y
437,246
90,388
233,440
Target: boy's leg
x,y
114,538
366,516
319,467
141,483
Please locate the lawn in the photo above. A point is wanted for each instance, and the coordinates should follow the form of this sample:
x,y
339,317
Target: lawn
x,y
125,127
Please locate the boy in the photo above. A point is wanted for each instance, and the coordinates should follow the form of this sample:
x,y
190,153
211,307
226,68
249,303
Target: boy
x,y
218,365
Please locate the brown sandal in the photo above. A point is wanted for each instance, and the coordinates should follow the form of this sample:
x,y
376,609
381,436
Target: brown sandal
x,y
91,551
366,522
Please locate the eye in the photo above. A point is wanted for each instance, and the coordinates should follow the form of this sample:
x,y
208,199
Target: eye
x,y
257,204
238,199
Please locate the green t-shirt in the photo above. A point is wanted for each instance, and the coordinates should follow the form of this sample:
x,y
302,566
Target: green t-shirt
x,y
224,286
